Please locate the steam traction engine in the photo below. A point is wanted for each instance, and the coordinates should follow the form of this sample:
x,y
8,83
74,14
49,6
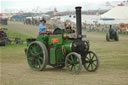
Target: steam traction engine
x,y
61,49
112,35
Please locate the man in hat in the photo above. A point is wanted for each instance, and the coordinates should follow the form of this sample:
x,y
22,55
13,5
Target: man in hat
x,y
42,27
111,30
68,27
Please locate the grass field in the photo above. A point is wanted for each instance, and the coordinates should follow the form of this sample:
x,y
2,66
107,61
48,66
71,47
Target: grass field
x,y
113,56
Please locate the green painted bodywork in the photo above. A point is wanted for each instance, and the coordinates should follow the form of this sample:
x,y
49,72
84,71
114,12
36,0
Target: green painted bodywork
x,y
58,47
42,38
55,39
52,56
68,45
60,56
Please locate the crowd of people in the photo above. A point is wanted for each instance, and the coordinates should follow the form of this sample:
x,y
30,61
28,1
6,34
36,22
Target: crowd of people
x,y
93,27
88,27
105,28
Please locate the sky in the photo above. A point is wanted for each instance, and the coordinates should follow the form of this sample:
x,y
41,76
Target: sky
x,y
48,5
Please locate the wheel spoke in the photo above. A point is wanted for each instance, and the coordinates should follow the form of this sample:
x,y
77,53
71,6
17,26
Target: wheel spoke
x,y
90,55
41,58
69,60
33,49
75,58
34,63
94,60
77,65
75,69
31,52
69,65
39,62
76,62
39,53
30,62
87,58
93,57
91,66
72,58
94,64
86,61
88,66
72,67
38,49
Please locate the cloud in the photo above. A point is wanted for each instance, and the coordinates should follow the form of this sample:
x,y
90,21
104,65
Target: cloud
x,y
48,5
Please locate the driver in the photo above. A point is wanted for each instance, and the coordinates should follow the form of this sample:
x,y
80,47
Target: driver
x,y
68,28
42,26
111,30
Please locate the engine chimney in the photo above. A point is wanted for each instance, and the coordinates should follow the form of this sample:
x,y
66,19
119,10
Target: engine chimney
x,y
78,22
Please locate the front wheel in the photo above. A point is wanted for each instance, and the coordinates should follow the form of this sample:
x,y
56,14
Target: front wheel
x,y
91,62
73,62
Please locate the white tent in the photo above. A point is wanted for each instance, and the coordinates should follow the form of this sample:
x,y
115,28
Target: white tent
x,y
118,12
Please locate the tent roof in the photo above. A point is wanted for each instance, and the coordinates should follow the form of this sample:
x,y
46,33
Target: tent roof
x,y
1,14
118,12
18,16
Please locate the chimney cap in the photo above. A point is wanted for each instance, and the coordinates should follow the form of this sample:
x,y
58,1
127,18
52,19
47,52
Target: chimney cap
x,y
78,7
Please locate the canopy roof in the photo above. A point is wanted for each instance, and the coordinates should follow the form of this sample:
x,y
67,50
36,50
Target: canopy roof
x,y
1,14
118,12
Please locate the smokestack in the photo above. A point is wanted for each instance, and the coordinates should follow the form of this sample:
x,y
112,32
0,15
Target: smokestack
x,y
78,22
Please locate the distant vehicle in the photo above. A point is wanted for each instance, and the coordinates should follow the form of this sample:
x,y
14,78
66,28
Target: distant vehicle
x,y
112,34
3,37
4,21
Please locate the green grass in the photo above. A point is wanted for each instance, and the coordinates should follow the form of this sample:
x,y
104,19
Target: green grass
x,y
113,54
13,53
13,35
17,29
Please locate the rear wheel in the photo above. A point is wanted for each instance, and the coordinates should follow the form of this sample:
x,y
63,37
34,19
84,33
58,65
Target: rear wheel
x,y
116,37
108,37
73,62
37,55
91,61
